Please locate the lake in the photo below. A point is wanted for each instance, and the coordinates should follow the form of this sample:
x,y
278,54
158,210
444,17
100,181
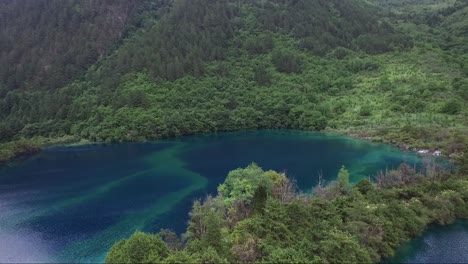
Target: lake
x,y
71,203
438,244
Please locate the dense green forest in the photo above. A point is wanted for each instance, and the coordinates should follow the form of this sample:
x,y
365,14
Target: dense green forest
x,y
46,44
142,70
258,217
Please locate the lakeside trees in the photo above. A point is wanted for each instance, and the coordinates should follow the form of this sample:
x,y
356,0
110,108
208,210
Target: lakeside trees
x,y
248,221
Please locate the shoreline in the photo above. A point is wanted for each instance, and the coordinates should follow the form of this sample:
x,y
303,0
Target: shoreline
x,y
36,145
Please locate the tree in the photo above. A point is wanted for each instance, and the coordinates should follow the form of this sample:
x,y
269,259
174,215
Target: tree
x,y
285,190
259,200
343,248
364,186
287,62
290,255
259,44
205,224
366,110
209,256
262,75
343,179
463,164
451,107
241,184
139,248
171,239
180,257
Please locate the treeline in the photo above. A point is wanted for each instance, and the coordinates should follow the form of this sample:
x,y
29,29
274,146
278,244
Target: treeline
x,y
17,148
20,147
259,217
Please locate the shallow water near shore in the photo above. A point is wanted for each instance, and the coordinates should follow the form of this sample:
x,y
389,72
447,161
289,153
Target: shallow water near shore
x,y
71,203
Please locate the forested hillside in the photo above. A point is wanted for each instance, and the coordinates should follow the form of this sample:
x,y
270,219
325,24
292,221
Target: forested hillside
x,y
46,44
142,70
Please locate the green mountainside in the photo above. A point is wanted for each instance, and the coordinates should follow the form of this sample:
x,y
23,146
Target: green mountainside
x,y
46,44
142,70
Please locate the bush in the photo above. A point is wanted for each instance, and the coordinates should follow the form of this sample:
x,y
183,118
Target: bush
x,y
287,62
139,248
364,186
451,107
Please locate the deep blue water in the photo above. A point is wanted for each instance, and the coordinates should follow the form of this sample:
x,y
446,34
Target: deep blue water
x,y
438,244
71,203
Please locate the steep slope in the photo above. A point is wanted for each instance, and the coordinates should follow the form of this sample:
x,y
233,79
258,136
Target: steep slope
x,y
455,25
196,32
44,44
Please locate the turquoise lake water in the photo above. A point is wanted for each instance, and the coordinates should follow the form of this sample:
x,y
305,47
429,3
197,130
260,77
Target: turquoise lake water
x,y
70,204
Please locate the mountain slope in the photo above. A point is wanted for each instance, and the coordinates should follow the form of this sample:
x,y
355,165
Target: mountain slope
x,y
44,44
201,66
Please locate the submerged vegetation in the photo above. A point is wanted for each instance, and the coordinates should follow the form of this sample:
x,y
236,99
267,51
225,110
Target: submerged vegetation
x,y
259,216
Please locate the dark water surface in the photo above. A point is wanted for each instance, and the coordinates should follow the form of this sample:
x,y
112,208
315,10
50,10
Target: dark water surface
x,y
438,244
71,203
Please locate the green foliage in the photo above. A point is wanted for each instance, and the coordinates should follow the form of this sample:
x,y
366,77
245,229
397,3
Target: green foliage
x,y
139,248
242,184
287,62
366,110
451,107
290,255
16,148
322,25
463,164
361,226
375,44
179,257
10,150
259,44
259,199
343,179
261,75
179,44
46,44
205,226
209,256
364,186
348,248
